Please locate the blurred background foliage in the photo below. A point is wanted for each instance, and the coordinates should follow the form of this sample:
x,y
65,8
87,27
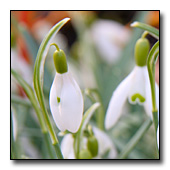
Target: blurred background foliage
x,y
99,46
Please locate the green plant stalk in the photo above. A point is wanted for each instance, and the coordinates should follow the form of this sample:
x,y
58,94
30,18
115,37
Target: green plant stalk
x,y
152,58
79,135
48,144
100,115
38,81
135,139
38,74
58,151
153,31
31,96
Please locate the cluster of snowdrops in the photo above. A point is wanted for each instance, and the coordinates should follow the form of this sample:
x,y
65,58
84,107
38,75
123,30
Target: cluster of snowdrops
x,y
83,140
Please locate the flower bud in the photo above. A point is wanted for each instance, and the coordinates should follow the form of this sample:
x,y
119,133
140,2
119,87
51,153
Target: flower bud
x,y
60,61
141,51
92,145
85,154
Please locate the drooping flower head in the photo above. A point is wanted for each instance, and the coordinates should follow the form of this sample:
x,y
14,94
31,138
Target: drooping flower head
x,y
105,144
66,101
135,87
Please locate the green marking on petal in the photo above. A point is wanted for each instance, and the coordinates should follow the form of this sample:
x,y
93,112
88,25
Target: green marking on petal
x,y
137,95
58,99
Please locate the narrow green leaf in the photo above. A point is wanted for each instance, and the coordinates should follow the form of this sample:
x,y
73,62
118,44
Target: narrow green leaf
x,y
88,114
152,58
31,96
153,31
135,139
39,73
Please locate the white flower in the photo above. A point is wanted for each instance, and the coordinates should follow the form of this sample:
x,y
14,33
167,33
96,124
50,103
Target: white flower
x,y
104,144
109,37
135,87
66,102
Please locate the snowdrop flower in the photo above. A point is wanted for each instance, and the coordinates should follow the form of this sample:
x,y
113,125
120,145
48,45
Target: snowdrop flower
x,y
66,101
109,37
104,144
135,87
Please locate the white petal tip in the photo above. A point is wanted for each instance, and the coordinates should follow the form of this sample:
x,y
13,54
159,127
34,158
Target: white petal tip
x,y
108,123
134,24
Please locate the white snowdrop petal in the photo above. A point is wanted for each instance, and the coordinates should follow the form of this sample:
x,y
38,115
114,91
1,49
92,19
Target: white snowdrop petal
x,y
54,106
71,103
66,102
109,38
104,143
67,147
148,103
138,86
117,101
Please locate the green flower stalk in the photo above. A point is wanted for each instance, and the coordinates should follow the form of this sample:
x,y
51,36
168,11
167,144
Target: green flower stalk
x,y
38,81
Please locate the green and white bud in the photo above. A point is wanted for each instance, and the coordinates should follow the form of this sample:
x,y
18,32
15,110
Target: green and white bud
x,y
141,51
92,145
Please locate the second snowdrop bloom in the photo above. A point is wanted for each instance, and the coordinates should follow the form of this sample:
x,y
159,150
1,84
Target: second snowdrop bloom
x,y
135,87
109,37
66,100
105,144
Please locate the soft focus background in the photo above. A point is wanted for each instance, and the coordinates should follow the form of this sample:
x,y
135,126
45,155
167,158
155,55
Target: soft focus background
x,y
99,46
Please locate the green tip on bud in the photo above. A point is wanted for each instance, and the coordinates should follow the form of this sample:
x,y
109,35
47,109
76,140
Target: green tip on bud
x,y
92,145
60,61
85,154
141,51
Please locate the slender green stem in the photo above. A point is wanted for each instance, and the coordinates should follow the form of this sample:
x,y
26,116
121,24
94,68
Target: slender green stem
x,y
135,139
31,96
79,135
58,151
153,31
97,98
101,114
152,58
38,76
38,80
49,145
145,33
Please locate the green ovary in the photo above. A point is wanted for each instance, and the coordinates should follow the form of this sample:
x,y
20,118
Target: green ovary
x,y
137,95
60,61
